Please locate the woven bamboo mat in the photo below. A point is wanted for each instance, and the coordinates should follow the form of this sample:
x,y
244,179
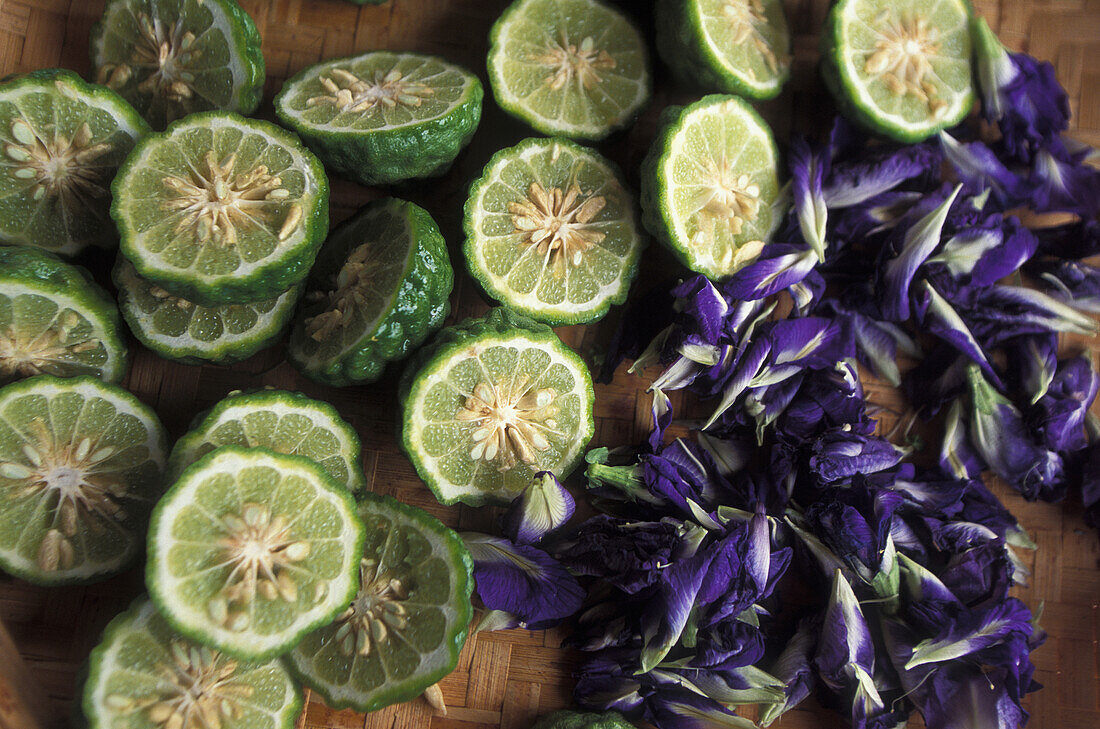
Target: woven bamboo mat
x,y
505,679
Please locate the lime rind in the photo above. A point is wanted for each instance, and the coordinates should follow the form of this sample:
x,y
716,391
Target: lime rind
x,y
619,250
244,419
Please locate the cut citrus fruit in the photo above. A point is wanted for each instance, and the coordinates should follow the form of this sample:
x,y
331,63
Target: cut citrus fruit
x,y
577,68
144,674
736,46
62,140
171,58
404,630
181,330
81,464
55,320
709,184
252,549
552,232
900,67
220,209
490,403
379,288
383,117
285,422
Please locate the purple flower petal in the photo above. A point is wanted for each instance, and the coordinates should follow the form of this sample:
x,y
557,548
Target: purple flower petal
x,y
794,670
677,708
984,255
979,170
666,616
853,183
808,169
845,656
627,554
974,631
543,507
780,266
1073,282
942,320
957,455
704,306
840,454
1062,182
1060,414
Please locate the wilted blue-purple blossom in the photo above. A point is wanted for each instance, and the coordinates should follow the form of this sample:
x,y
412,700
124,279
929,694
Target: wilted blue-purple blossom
x,y
1060,414
979,169
541,508
1061,181
1074,282
627,554
809,167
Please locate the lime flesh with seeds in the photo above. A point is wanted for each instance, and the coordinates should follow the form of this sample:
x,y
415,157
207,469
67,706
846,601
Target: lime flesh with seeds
x,y
143,673
404,630
383,117
81,465
55,320
379,288
575,68
491,402
901,69
61,140
171,58
710,183
219,209
252,549
552,232
183,331
285,422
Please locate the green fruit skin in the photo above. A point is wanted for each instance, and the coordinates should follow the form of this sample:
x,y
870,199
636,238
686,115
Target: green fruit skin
x,y
568,719
424,149
39,269
419,308
407,691
500,320
681,46
265,281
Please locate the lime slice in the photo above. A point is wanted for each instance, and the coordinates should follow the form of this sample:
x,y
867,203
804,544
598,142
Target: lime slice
x,y
383,117
180,330
252,549
900,67
492,402
552,232
709,184
736,46
81,463
220,209
171,58
405,628
55,320
379,288
285,422
144,674
62,140
577,68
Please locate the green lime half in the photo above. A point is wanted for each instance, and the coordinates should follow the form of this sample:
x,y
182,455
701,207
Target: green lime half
x,y
709,184
171,58
490,403
383,117
81,464
379,288
900,67
183,331
736,46
62,140
285,422
552,232
220,209
145,675
252,549
55,320
405,628
577,68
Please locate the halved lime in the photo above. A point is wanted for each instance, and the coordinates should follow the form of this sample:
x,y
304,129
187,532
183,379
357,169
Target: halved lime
x,y
552,232
900,67
492,402
577,68
383,117
252,549
709,183
736,46
144,674
81,463
180,330
285,422
62,140
405,628
379,288
55,320
171,58
220,209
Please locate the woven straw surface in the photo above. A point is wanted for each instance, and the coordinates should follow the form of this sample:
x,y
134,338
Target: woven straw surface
x,y
505,679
